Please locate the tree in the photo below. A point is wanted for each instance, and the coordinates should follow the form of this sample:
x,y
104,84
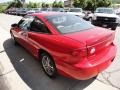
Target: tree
x,y
79,3
29,5
35,5
104,3
15,3
47,5
91,4
60,4
32,5
18,4
55,4
2,7
43,5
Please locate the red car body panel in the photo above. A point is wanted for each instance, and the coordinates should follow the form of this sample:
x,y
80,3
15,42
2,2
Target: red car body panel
x,y
88,67
72,52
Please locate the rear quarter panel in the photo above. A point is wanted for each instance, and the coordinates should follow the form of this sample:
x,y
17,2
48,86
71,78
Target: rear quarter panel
x,y
57,46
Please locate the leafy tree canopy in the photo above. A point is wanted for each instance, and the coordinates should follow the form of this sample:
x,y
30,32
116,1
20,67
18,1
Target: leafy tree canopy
x,y
91,4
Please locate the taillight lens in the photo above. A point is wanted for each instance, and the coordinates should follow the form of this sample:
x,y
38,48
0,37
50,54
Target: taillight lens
x,y
80,52
77,55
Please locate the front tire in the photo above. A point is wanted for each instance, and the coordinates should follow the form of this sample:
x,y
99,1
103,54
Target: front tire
x,y
48,65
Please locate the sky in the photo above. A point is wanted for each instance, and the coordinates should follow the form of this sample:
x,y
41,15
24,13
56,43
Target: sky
x,y
48,1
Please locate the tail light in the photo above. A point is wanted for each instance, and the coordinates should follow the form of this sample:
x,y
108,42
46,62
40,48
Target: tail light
x,y
77,55
80,52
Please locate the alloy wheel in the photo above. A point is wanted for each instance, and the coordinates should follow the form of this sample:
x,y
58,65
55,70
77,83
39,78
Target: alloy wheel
x,y
48,65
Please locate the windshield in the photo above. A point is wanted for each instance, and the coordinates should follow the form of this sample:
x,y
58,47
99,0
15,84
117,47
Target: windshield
x,y
75,10
105,10
66,23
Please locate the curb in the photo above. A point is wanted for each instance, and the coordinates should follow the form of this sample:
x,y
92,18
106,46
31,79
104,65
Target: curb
x,y
9,78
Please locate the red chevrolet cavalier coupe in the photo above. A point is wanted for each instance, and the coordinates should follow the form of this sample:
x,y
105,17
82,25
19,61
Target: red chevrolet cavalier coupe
x,y
65,44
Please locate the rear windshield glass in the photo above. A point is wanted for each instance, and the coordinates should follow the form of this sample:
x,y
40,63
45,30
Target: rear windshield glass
x,y
69,23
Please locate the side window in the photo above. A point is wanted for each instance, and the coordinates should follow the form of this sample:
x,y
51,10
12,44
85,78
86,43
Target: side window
x,y
38,26
24,24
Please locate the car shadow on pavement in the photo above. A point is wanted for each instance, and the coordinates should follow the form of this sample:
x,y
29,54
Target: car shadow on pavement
x,y
31,72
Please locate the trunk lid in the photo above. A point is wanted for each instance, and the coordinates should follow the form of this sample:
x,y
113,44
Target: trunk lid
x,y
96,38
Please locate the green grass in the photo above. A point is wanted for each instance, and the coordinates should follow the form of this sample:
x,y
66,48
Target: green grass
x,y
3,7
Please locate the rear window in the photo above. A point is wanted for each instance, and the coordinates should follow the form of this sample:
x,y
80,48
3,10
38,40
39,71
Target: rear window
x,y
66,23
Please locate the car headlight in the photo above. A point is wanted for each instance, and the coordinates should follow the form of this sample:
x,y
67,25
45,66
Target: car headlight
x,y
94,17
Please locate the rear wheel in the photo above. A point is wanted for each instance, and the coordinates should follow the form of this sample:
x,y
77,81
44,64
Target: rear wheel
x,y
48,65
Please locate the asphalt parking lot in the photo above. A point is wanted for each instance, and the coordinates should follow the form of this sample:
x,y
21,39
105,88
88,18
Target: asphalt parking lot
x,y
30,70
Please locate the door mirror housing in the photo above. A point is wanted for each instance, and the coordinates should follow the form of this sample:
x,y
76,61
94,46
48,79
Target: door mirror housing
x,y
14,25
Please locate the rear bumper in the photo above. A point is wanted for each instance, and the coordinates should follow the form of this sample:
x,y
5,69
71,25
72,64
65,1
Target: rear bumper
x,y
88,67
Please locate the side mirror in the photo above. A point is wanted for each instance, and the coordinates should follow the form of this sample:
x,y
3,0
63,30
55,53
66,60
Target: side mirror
x,y
14,25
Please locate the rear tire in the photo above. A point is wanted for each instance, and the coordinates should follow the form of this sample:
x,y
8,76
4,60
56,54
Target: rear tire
x,y
48,65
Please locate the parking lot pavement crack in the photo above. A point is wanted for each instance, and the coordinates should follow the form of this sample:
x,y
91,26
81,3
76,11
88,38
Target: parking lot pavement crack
x,y
6,73
107,79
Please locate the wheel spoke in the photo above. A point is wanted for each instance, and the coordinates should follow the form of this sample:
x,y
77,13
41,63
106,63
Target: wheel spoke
x,y
47,65
44,62
48,61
